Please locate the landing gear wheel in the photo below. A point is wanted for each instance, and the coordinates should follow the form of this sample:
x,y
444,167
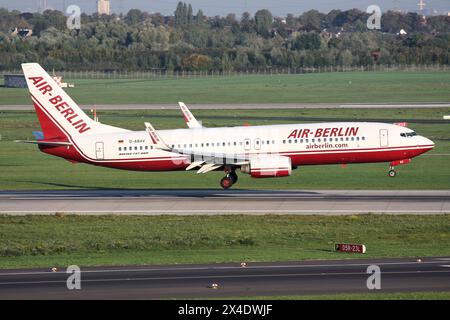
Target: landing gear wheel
x,y
392,173
233,177
226,182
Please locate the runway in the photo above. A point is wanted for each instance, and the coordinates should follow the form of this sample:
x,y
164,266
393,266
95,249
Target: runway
x,y
256,279
234,201
245,106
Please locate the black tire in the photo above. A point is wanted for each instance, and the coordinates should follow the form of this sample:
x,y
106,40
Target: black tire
x,y
392,173
233,177
226,182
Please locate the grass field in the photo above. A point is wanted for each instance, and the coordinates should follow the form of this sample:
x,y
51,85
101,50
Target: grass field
x,y
347,87
358,296
23,166
61,240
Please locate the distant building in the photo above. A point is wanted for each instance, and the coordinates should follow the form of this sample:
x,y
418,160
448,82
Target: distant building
x,y
103,7
15,81
23,32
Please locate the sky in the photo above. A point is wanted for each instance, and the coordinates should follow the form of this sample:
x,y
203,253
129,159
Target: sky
x,y
223,7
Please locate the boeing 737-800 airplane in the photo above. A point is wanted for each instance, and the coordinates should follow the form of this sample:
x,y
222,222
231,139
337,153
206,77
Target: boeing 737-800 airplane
x,y
261,151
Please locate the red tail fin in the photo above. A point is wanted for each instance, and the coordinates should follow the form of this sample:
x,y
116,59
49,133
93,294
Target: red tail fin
x,y
49,128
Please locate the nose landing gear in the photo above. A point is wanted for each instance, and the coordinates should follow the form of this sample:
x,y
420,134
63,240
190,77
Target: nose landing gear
x,y
392,173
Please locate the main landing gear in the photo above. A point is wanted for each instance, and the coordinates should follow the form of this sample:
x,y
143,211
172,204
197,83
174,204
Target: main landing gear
x,y
230,179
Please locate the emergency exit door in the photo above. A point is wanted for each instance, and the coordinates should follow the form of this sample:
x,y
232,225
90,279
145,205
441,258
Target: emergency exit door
x,y
99,150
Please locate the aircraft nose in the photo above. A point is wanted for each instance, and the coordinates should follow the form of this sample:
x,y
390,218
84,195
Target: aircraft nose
x,y
427,142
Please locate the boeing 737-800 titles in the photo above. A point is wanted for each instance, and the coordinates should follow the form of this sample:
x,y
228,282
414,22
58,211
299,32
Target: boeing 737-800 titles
x,y
261,151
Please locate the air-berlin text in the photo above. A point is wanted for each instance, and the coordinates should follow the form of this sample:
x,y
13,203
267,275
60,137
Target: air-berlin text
x,y
71,116
324,132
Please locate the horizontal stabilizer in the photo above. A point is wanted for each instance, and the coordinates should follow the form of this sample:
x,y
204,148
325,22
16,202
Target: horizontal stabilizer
x,y
46,143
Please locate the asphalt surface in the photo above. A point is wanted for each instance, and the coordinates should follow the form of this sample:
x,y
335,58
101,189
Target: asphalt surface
x,y
256,279
243,106
234,201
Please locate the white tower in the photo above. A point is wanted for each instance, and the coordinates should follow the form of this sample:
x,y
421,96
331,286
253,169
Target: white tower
x,y
421,5
103,7
42,6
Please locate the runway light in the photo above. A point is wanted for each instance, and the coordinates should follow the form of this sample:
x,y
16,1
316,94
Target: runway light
x,y
214,286
418,260
350,247
243,264
54,269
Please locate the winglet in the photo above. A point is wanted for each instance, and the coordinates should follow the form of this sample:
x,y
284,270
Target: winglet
x,y
188,117
158,143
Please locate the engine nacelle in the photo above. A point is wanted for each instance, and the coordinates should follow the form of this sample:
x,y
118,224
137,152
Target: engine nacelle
x,y
268,167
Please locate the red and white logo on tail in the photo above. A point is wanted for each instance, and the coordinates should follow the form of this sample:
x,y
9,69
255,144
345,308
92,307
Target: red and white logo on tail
x,y
57,107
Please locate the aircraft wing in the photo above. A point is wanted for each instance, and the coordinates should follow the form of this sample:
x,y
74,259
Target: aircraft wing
x,y
191,122
207,161
211,161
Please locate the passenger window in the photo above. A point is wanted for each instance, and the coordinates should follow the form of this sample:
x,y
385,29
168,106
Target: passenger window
x,y
120,149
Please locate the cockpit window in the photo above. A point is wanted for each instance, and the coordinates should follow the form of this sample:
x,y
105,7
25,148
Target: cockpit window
x,y
408,134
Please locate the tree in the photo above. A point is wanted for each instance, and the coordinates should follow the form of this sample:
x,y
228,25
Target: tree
x,y
307,41
263,22
247,24
190,17
197,62
180,15
311,20
133,17
226,63
199,17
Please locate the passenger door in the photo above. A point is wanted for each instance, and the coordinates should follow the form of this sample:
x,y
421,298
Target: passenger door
x,y
384,142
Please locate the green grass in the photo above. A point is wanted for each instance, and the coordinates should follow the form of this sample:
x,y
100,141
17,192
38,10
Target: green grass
x,y
61,240
357,296
348,87
25,167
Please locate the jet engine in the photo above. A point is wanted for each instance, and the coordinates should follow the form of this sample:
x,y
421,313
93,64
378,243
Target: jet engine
x,y
268,167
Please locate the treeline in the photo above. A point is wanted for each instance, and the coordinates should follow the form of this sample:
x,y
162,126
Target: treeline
x,y
191,41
